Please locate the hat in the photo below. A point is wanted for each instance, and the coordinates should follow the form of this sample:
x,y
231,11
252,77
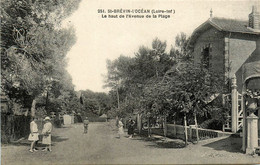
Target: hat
x,y
47,118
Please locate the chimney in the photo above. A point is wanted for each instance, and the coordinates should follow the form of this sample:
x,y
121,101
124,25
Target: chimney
x,y
254,18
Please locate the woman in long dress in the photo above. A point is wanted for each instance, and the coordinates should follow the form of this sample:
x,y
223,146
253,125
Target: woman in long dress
x,y
46,132
131,124
120,128
34,135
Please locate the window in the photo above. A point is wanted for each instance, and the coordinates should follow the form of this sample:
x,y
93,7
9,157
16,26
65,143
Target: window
x,y
205,58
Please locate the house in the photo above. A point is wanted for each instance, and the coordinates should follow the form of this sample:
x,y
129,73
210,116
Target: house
x,y
232,48
224,45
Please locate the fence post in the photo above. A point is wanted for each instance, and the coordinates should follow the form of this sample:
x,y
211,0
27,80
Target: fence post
x,y
139,123
190,133
165,127
185,130
174,129
234,105
196,125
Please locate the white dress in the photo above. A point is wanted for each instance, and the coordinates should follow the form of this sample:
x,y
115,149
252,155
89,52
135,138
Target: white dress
x,y
46,131
34,135
120,128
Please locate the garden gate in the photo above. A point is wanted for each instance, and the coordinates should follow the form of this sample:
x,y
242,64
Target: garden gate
x,y
234,122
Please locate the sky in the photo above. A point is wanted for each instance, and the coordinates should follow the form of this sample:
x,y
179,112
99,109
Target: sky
x,y
99,39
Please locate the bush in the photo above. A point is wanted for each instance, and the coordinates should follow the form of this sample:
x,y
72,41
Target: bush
x,y
57,122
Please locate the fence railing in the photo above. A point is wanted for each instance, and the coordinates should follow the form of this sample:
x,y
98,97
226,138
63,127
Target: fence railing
x,y
177,131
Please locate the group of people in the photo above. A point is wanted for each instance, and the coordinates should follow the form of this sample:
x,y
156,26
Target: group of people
x,y
120,125
46,134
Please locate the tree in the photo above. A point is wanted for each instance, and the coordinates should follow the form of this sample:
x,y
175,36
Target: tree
x,y
34,46
181,51
118,74
186,91
96,103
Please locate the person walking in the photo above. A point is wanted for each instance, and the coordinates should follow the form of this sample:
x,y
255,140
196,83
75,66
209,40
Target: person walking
x,y
131,124
86,122
34,135
46,132
120,128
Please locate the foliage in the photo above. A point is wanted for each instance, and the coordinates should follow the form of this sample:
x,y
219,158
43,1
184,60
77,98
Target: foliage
x,y
156,83
127,77
33,50
96,103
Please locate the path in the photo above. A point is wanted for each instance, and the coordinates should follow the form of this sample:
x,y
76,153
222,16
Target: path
x,y
99,146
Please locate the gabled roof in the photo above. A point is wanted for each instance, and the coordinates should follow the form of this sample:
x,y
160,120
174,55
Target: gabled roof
x,y
223,24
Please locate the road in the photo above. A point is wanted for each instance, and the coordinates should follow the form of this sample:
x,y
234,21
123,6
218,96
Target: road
x,y
100,146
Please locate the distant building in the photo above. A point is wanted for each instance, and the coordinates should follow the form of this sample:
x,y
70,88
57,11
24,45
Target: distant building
x,y
224,45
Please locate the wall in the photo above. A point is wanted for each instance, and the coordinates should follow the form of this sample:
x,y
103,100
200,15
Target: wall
x,y
240,51
216,39
66,119
234,48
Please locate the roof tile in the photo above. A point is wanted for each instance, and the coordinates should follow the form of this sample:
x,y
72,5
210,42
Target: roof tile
x,y
232,25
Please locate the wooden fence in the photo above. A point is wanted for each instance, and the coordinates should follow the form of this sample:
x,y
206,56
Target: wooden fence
x,y
14,127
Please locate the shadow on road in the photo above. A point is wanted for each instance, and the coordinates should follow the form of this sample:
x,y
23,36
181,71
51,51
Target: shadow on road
x,y
167,144
159,142
229,144
25,142
58,139
20,143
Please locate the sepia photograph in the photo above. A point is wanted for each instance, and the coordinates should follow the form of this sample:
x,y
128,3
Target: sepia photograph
x,y
130,82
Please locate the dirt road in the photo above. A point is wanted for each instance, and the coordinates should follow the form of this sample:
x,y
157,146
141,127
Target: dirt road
x,y
100,146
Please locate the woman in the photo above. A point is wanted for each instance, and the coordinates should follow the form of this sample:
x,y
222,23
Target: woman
x,y
34,135
120,128
46,132
131,124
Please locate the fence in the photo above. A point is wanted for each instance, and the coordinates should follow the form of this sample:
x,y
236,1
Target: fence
x,y
97,119
177,131
14,127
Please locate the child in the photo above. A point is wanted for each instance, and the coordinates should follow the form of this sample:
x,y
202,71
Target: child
x,y
34,135
86,122
46,132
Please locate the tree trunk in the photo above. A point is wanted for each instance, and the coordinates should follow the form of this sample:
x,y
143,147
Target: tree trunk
x,y
149,128
165,127
139,123
196,125
185,131
117,97
33,108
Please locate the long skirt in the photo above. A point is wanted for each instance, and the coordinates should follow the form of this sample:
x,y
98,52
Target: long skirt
x,y
130,130
46,139
121,130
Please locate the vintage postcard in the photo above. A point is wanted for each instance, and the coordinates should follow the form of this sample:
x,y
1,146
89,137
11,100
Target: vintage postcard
x,y
130,82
